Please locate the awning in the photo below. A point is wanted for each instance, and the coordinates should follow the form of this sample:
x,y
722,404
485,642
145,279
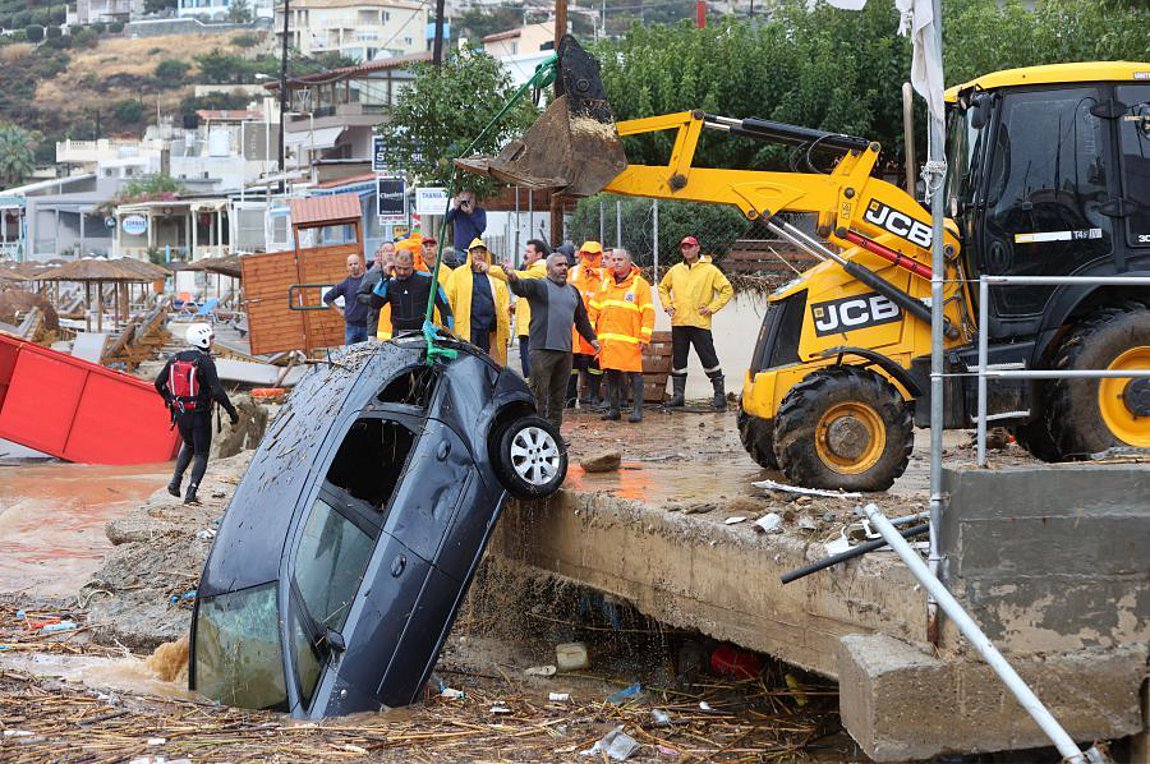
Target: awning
x,y
323,138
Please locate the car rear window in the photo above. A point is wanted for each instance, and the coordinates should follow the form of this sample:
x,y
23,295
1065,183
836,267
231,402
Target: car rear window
x,y
238,657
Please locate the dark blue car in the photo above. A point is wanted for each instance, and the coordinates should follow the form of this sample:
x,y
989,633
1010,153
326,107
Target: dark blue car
x,y
346,551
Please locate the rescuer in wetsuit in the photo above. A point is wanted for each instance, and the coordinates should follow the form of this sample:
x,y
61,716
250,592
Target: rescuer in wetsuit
x,y
189,384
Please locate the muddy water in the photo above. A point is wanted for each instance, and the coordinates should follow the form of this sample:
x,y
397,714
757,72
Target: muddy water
x,y
125,675
52,520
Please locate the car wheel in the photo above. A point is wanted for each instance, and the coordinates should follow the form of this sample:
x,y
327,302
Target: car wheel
x,y
531,461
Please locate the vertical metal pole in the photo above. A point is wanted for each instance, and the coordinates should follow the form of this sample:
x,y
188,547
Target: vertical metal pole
x,y
618,223
655,237
437,46
602,221
556,201
531,212
283,96
936,158
983,353
515,252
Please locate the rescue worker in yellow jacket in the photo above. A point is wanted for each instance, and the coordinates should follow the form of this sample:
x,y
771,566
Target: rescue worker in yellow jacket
x,y
624,318
482,305
691,292
587,276
535,254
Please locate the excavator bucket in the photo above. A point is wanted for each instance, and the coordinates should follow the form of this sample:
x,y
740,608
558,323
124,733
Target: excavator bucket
x,y
573,148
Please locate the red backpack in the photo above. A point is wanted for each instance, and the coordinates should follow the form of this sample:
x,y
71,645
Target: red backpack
x,y
183,383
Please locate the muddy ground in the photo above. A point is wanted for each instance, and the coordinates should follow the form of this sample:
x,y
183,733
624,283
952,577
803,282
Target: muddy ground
x,y
139,596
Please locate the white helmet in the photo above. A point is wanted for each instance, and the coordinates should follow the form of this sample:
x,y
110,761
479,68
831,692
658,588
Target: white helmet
x,y
200,336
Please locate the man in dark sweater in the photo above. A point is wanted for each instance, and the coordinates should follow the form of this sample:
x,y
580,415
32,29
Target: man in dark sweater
x,y
407,292
555,307
189,383
354,313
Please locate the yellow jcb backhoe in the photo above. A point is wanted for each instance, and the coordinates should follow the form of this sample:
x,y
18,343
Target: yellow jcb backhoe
x,y
1048,175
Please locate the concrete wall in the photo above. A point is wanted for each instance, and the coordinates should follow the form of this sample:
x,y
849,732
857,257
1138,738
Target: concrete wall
x,y
1051,558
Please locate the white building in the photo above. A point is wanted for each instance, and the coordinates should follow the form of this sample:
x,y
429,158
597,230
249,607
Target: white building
x,y
362,30
217,10
92,11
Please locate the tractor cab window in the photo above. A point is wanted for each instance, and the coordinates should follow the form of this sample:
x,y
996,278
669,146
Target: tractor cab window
x,y
1134,142
1049,176
963,142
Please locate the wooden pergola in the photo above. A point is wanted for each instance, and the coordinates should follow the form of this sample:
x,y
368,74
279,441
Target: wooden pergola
x,y
121,271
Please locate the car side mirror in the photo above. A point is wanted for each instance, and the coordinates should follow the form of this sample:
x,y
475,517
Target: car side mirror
x,y
334,640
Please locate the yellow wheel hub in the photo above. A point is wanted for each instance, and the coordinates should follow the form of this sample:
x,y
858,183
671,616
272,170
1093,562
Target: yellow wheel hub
x,y
850,437
1119,399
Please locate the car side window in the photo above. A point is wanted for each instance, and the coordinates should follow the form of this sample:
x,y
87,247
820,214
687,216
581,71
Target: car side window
x,y
329,564
371,460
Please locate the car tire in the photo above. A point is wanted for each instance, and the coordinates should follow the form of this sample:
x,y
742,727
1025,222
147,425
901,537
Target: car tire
x,y
758,437
531,462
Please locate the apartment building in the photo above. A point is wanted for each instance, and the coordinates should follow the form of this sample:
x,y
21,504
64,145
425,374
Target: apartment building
x,y
92,11
362,30
217,10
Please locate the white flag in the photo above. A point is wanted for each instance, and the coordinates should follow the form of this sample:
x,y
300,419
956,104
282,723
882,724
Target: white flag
x,y
926,61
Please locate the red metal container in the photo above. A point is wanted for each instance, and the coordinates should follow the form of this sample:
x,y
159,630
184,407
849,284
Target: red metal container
x,y
80,411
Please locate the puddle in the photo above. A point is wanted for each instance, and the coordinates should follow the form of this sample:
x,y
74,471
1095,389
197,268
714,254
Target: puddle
x,y
52,519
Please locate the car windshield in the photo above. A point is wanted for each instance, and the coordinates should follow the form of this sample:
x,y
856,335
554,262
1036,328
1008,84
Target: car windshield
x,y
238,657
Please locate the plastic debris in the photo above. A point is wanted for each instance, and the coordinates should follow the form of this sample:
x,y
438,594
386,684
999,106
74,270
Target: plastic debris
x,y
157,740
571,656
500,708
771,485
206,533
770,523
660,717
797,689
175,599
617,744
559,697
52,628
17,733
624,695
452,694
667,752
541,671
734,520
705,706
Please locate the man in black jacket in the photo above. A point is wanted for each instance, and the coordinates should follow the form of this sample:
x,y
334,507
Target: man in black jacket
x,y
556,306
408,291
189,384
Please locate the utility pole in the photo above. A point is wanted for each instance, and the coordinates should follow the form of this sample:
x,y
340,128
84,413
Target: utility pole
x,y
437,48
283,98
556,201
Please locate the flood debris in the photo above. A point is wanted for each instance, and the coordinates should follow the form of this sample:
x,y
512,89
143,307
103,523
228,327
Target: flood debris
x,y
616,744
571,656
771,485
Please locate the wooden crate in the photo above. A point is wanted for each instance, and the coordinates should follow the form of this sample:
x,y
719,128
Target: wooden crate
x,y
657,367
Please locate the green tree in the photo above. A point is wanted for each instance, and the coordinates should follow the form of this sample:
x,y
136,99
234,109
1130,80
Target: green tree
x,y
239,12
219,67
17,154
128,113
34,32
170,73
438,116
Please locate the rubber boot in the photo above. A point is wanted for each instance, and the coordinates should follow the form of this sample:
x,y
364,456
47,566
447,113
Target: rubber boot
x,y
719,400
594,390
182,461
199,467
614,392
679,386
637,394
190,497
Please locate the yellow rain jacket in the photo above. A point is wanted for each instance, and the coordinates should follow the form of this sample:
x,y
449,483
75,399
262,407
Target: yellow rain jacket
x,y
588,277
623,317
458,290
688,288
537,270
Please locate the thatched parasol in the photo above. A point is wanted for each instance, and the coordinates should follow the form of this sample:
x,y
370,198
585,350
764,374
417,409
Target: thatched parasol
x,y
120,271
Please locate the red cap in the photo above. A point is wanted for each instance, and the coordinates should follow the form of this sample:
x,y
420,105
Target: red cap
x,y
689,240
430,240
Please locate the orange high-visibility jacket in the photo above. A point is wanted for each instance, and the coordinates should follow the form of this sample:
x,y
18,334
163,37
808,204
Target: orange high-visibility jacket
x,y
588,277
623,316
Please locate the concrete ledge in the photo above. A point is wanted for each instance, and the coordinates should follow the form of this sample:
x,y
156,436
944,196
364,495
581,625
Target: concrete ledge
x,y
694,572
899,702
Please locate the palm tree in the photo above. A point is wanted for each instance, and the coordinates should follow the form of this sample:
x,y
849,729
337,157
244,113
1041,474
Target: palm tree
x,y
17,154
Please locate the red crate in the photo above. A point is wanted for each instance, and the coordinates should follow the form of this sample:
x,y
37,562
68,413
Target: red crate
x,y
80,411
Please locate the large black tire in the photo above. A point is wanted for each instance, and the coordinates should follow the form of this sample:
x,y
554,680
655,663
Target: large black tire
x,y
844,428
1086,416
758,437
1035,437
531,461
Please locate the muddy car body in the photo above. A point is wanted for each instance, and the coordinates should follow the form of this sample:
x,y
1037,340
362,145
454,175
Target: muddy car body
x,y
347,548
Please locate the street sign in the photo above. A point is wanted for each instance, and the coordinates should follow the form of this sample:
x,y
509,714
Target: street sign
x,y
430,201
391,200
377,163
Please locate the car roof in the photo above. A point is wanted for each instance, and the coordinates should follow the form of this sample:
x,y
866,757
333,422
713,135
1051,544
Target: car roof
x,y
252,534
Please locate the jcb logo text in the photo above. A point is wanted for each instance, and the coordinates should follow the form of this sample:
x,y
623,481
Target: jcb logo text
x,y
898,223
851,313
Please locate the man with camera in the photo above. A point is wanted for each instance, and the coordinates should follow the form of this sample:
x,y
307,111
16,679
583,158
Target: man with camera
x,y
468,221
